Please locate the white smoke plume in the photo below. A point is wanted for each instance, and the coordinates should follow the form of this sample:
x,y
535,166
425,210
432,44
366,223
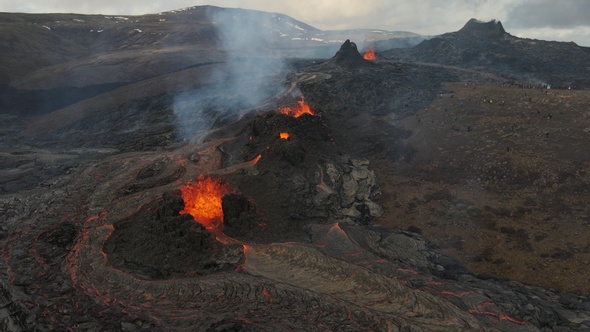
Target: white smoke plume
x,y
252,72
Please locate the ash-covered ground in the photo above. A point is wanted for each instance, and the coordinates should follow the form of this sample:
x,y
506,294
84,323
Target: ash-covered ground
x,y
415,197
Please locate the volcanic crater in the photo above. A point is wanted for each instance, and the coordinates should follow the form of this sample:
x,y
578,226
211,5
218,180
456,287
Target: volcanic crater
x,y
315,198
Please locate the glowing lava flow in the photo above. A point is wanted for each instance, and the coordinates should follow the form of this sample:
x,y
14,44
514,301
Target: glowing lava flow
x,y
284,135
202,200
369,54
302,108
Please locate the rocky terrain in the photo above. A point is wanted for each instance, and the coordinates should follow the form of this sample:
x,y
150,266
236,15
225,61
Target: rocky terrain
x,y
389,195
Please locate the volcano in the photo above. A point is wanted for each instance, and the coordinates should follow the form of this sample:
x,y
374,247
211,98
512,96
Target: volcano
x,y
241,189
487,46
349,56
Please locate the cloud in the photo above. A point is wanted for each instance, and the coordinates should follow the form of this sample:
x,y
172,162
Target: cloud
x,y
81,7
550,14
252,77
579,35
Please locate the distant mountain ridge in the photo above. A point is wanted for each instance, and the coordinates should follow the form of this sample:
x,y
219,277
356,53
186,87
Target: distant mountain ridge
x,y
33,42
488,47
49,51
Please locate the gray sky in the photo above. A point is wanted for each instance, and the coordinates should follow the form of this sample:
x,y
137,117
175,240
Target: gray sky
x,y
563,20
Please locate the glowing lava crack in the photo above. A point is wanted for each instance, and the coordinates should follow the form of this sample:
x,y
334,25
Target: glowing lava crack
x,y
369,54
297,111
202,200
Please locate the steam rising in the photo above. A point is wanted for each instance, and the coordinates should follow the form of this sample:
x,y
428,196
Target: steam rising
x,y
253,72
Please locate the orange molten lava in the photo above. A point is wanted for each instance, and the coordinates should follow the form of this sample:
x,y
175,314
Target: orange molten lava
x,y
255,160
298,111
284,135
369,54
202,200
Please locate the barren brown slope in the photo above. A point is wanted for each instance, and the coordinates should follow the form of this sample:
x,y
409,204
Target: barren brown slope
x,y
500,185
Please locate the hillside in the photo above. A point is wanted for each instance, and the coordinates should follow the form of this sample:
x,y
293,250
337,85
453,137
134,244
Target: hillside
x,y
92,44
486,46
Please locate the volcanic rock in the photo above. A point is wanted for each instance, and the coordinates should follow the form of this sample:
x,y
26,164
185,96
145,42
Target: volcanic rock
x,y
157,242
240,218
301,179
480,29
348,56
233,206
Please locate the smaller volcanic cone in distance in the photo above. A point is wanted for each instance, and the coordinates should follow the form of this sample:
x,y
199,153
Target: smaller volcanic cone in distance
x,y
369,54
